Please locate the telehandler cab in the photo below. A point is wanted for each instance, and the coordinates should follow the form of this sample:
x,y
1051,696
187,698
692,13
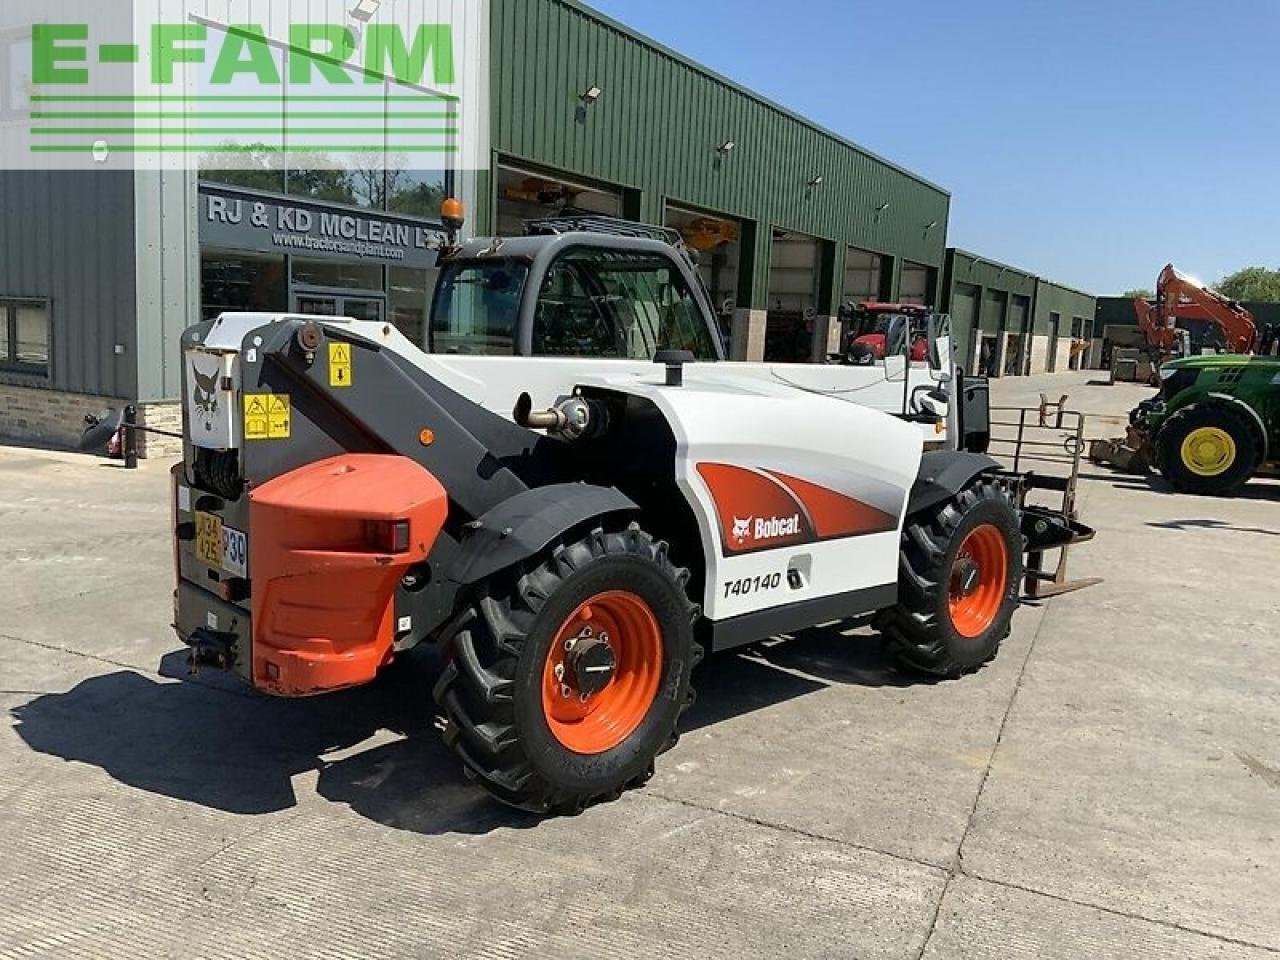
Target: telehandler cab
x,y
575,497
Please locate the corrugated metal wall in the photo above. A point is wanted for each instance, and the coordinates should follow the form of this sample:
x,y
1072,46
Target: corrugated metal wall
x,y
657,126
970,280
1114,311
1065,301
69,238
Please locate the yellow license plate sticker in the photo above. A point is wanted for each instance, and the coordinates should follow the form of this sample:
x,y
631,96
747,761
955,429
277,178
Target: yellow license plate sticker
x,y
209,539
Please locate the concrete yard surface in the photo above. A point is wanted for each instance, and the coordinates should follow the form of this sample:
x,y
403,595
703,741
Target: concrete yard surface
x,y
1108,788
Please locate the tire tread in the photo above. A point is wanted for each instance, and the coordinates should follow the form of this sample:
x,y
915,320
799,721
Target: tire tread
x,y
474,692
911,630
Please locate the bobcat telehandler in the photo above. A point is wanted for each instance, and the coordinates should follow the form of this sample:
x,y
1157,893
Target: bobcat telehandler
x,y
575,497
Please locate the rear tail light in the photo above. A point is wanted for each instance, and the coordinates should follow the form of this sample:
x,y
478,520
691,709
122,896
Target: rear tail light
x,y
234,590
388,536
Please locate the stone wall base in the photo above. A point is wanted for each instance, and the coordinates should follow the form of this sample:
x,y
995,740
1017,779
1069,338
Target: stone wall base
x,y
51,418
826,339
1039,355
161,416
1064,355
748,335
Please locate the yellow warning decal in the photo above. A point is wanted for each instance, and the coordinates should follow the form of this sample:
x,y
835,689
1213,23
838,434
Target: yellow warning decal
x,y
339,365
257,425
280,420
267,416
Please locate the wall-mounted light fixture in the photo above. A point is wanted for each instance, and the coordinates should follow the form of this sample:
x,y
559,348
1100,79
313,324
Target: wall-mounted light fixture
x,y
591,95
817,181
726,148
365,10
930,225
882,208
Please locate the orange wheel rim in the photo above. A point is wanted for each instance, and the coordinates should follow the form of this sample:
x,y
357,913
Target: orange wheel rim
x,y
979,579
602,672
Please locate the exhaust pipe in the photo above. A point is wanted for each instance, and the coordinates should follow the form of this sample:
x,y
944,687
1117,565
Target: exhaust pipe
x,y
574,419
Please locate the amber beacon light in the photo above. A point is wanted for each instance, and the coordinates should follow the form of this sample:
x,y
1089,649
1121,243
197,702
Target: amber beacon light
x,y
453,215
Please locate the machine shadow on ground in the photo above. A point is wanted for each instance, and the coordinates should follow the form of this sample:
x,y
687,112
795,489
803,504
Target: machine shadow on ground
x,y
775,671
211,741
1264,489
1193,526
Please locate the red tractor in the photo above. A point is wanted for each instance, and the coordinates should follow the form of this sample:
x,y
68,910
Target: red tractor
x,y
874,331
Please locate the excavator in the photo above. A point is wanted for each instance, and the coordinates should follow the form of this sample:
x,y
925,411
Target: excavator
x,y
1181,298
1215,424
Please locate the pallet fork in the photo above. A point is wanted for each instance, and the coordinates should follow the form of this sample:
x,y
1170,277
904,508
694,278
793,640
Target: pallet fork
x,y
1051,436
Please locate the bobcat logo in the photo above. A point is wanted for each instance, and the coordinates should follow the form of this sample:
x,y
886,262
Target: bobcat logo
x,y
742,529
204,395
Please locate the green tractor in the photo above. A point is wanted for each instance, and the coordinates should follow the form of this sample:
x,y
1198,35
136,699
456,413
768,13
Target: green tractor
x,y
1215,423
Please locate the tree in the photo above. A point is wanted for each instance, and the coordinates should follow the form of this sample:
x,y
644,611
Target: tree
x,y
1141,293
1252,283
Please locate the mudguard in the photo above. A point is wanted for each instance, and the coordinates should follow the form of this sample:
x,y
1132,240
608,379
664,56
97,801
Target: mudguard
x,y
943,474
528,523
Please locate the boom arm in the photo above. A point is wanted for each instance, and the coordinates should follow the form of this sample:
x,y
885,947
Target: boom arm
x,y
1180,297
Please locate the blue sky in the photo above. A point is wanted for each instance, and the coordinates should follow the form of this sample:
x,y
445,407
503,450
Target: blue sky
x,y
1086,141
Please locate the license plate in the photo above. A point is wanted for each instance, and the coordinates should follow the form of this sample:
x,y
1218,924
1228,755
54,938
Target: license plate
x,y
221,546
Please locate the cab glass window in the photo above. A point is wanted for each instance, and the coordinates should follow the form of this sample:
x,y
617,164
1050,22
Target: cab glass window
x,y
476,308
605,303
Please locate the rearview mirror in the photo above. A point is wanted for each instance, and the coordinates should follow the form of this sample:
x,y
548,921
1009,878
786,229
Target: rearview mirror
x,y
100,429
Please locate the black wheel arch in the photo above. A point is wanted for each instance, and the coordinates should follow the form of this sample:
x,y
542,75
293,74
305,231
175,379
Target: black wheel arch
x,y
525,525
943,474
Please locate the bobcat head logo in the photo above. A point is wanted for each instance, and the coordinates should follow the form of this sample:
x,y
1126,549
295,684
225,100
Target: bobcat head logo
x,y
204,395
741,530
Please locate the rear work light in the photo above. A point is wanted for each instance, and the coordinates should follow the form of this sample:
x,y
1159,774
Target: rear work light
x,y
387,536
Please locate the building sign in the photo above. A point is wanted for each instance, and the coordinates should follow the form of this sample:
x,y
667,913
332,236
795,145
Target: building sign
x,y
233,220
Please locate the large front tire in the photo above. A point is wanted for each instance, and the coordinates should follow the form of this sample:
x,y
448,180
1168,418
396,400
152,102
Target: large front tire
x,y
961,572
1209,449
565,683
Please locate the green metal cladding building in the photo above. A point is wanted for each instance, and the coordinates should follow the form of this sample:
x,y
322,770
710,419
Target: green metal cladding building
x,y
1008,322
792,219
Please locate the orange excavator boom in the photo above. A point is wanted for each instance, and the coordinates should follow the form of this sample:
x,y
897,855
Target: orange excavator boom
x,y
1181,297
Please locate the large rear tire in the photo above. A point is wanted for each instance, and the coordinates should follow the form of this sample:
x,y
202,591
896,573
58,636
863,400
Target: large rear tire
x,y
961,572
1208,449
566,682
